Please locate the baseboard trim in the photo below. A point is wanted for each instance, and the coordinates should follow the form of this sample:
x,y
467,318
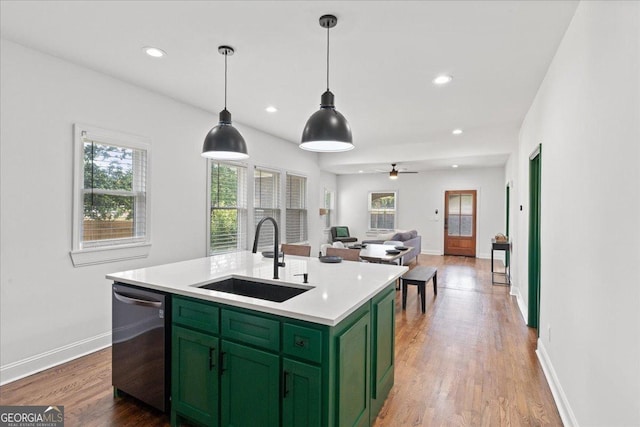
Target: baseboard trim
x,y
566,414
431,252
515,291
34,364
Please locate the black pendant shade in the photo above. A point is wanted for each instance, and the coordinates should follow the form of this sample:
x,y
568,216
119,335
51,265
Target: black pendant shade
x,y
224,142
327,130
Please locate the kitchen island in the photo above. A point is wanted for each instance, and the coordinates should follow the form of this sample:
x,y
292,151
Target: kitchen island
x,y
323,357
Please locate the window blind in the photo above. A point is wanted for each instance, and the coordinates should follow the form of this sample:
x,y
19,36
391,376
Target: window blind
x,y
296,209
382,210
266,202
113,193
228,208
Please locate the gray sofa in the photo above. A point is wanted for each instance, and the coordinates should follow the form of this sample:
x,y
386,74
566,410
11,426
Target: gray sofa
x,y
408,238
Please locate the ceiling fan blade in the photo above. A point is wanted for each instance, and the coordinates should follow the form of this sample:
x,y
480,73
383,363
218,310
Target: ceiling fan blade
x,y
407,172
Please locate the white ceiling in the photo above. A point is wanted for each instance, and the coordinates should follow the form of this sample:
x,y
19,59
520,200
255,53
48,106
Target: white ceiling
x,y
384,55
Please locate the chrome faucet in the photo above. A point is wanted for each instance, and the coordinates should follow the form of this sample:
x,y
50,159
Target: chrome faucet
x,y
276,244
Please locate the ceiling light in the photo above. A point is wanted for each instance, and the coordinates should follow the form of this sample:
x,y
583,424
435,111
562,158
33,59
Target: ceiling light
x,y
327,130
442,79
224,142
271,109
360,171
154,51
394,172
457,132
454,166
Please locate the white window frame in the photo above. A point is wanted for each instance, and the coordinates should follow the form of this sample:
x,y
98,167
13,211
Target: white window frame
x,y
118,249
328,203
370,210
243,240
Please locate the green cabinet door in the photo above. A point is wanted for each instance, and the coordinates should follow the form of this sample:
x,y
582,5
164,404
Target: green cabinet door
x,y
302,387
382,354
250,387
354,371
194,388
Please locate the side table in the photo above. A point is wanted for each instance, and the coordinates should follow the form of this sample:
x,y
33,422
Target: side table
x,y
506,247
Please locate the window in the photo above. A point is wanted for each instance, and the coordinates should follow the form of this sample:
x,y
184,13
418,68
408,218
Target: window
x,y
266,202
110,196
296,213
227,208
328,206
382,210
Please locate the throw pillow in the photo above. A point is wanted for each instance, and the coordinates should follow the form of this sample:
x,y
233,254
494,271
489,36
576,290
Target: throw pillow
x,y
402,237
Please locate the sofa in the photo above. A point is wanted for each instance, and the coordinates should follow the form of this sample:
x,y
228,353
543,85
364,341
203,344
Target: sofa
x,y
408,238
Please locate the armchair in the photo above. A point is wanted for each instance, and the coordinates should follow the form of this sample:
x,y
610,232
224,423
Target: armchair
x,y
341,234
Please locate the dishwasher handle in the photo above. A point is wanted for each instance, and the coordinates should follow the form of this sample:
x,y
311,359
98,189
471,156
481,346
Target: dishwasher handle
x,y
136,301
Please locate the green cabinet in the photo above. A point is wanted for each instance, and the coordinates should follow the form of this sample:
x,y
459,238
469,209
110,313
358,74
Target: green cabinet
x,y
194,376
354,376
301,394
250,386
237,367
383,310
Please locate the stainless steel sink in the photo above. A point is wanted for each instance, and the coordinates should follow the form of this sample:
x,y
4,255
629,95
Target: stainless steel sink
x,y
248,288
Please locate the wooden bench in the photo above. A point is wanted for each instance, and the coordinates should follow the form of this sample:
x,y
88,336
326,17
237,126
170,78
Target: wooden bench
x,y
419,276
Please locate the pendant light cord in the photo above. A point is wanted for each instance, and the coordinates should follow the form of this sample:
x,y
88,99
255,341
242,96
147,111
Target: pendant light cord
x,y
225,80
327,58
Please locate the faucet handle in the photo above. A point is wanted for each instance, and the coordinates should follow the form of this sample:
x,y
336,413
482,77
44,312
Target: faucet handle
x,y
305,277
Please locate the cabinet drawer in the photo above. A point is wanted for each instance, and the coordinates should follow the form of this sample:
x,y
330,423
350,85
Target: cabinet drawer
x,y
302,342
196,314
251,329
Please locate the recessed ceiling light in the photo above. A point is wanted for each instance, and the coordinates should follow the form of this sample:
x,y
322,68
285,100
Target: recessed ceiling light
x,y
442,79
154,51
360,171
454,166
457,131
271,109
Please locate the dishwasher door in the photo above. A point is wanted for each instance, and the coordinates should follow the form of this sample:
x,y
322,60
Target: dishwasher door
x,y
140,350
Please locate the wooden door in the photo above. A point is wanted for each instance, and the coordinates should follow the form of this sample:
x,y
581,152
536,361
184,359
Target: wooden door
x,y
460,223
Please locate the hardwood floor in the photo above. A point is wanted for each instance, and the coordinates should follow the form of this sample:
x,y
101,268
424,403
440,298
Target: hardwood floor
x,y
468,361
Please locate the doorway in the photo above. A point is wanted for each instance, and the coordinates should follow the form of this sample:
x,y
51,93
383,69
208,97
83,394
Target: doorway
x,y
534,237
460,223
506,233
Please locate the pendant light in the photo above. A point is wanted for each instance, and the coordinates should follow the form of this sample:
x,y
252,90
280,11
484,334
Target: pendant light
x,y
224,142
327,130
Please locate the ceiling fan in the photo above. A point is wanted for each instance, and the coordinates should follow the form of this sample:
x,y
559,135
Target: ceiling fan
x,y
393,174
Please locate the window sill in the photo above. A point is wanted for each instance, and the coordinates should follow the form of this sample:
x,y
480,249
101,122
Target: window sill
x,y
84,257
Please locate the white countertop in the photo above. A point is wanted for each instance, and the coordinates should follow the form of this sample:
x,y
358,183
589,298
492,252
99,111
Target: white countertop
x,y
337,290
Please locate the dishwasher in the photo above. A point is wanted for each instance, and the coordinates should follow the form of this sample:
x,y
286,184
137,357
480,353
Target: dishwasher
x,y
141,344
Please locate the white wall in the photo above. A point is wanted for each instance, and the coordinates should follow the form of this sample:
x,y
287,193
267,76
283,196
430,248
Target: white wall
x,y
517,220
49,310
587,117
419,195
